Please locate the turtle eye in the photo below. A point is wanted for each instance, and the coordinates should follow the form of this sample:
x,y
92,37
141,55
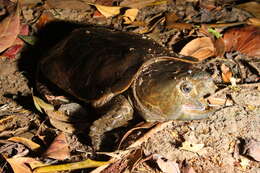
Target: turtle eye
x,y
186,87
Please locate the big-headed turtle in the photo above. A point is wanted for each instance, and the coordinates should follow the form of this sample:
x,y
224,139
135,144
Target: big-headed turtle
x,y
125,72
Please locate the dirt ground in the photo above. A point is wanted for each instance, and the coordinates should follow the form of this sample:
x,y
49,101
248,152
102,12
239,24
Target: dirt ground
x,y
216,144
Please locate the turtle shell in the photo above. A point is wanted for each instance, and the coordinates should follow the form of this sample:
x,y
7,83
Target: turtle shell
x,y
95,64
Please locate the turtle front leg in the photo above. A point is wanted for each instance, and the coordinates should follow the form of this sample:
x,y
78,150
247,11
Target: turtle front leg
x,y
118,113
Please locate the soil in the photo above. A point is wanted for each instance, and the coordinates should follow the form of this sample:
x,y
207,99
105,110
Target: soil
x,y
223,135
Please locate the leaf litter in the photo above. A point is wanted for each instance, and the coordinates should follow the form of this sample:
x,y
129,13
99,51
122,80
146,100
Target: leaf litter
x,y
177,142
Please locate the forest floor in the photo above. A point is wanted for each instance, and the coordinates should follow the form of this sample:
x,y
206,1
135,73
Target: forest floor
x,y
228,141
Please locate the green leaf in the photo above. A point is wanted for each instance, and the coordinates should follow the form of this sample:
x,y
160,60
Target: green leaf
x,y
31,40
215,33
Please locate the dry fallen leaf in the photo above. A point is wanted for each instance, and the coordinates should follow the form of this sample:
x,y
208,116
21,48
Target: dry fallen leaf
x,y
67,4
130,15
67,127
18,44
251,7
180,26
170,18
20,164
200,48
243,39
188,146
141,4
59,149
253,21
219,47
28,143
45,18
226,73
167,166
40,104
107,11
9,29
252,149
4,122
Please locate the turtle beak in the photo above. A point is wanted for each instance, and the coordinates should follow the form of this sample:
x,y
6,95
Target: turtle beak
x,y
196,109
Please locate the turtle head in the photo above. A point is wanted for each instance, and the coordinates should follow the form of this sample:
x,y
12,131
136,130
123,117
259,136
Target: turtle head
x,y
190,95
169,90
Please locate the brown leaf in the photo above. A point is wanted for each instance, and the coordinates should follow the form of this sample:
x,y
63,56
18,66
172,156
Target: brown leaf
x,y
179,26
67,4
200,48
107,11
59,149
67,127
105,2
29,3
45,18
253,21
243,39
9,29
219,47
251,7
226,73
28,143
20,164
170,18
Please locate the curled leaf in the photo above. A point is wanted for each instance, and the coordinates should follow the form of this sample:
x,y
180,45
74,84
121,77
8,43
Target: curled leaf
x,y
40,104
30,144
107,11
200,48
130,15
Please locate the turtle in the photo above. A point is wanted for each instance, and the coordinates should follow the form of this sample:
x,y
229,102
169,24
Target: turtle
x,y
124,73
